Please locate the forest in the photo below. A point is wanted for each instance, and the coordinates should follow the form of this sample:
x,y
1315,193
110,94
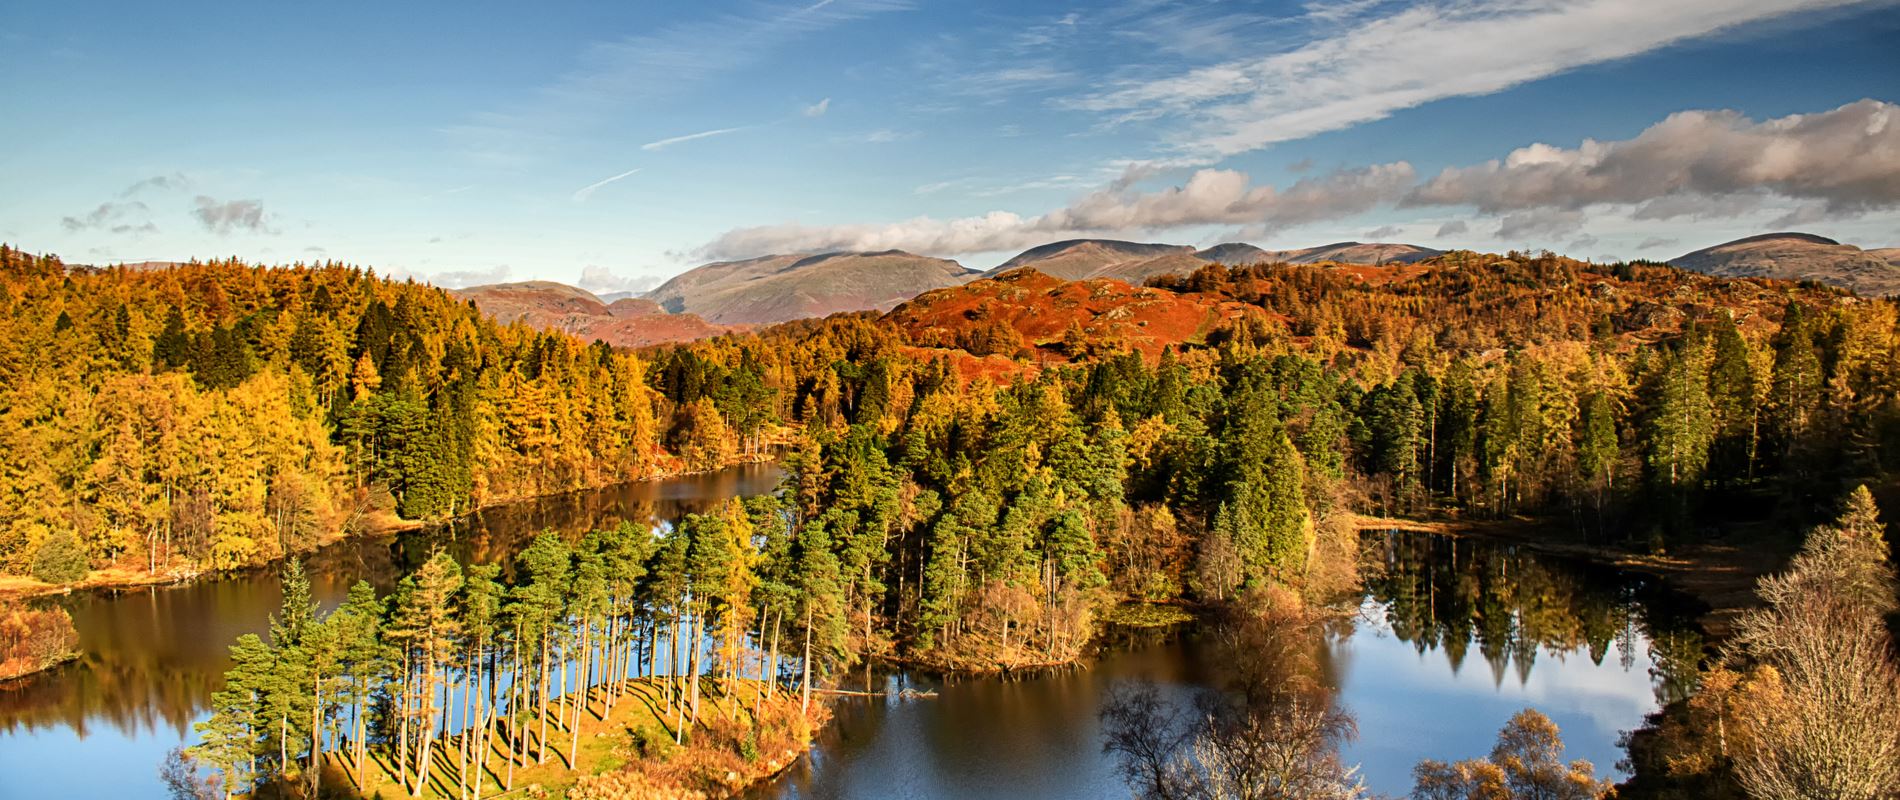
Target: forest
x,y
970,502
221,414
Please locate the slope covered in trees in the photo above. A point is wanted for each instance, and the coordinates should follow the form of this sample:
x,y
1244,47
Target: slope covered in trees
x,y
958,517
216,415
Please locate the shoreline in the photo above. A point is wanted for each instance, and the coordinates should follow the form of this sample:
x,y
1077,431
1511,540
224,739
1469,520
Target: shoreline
x,y
609,765
113,578
8,681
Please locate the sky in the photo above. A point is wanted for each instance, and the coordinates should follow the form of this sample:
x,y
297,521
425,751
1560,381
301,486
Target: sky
x,y
610,145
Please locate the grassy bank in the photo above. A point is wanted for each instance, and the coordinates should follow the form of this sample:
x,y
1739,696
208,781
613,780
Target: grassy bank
x,y
743,737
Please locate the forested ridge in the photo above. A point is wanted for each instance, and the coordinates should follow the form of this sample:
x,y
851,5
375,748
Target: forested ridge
x,y
966,487
221,414
976,496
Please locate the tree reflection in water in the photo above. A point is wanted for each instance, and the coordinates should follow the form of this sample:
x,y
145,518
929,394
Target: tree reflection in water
x,y
1441,593
153,656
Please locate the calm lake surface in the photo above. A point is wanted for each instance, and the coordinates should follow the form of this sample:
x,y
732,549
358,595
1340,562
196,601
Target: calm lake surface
x,y
1451,637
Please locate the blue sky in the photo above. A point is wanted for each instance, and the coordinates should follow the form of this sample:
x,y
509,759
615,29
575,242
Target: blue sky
x,y
610,143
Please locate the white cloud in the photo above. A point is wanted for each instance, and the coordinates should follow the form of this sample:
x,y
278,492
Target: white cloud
x,y
581,194
105,216
885,136
669,142
1383,59
162,183
1539,223
818,109
1383,232
464,278
1207,197
1698,163
231,216
596,278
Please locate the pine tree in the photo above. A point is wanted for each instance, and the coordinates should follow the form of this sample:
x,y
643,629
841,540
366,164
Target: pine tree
x,y
231,739
358,628
1265,498
427,626
547,567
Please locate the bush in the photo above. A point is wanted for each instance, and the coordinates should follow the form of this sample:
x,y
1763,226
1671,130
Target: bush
x,y
34,639
60,559
653,744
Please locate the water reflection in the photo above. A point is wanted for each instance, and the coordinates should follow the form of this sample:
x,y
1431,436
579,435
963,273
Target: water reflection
x,y
1592,647
152,657
1441,593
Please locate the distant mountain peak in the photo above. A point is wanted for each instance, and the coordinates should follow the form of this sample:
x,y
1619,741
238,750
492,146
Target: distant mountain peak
x,y
1794,236
626,322
779,288
1800,257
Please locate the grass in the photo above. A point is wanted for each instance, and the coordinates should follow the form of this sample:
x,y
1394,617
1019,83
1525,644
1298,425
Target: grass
x,y
709,765
1146,615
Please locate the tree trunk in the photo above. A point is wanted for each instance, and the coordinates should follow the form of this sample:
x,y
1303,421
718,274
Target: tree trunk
x,y
804,706
771,684
428,723
693,662
316,733
541,754
574,735
402,726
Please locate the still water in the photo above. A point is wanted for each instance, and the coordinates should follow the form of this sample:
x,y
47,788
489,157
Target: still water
x,y
1448,640
1446,644
99,727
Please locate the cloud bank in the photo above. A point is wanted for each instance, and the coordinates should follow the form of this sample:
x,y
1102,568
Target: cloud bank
x,y
1714,163
1832,164
1210,196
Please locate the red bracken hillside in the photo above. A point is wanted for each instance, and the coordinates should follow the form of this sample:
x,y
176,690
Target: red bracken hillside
x,y
1028,312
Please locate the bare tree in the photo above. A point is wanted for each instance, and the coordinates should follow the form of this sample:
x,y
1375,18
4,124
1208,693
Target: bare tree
x,y
1832,719
1272,746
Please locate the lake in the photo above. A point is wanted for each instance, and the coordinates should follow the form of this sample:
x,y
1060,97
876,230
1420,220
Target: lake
x,y
1448,640
152,656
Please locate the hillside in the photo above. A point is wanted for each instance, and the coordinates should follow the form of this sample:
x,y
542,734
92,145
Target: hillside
x,y
780,288
1026,311
1236,253
1800,256
1076,259
1478,300
549,306
1136,262
1355,253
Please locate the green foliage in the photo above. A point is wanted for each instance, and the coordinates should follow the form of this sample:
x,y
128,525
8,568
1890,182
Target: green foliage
x,y
60,558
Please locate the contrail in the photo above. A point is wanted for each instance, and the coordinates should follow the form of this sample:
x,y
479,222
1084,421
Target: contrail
x,y
581,195
664,143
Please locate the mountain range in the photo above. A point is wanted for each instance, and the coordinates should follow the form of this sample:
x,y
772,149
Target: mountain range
x,y
727,295
1135,262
